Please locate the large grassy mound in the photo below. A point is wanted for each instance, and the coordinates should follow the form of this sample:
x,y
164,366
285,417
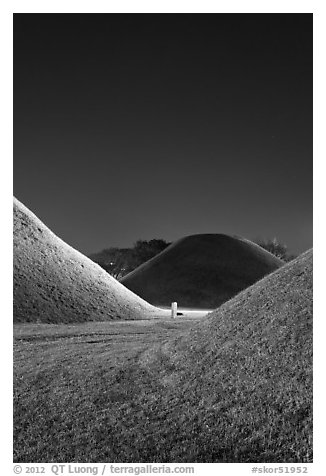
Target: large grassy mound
x,y
201,271
55,283
237,387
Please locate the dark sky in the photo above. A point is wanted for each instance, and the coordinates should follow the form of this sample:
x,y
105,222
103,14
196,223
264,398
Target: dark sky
x,y
141,126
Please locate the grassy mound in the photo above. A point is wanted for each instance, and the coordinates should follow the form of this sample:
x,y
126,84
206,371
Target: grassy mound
x,y
201,271
236,387
55,283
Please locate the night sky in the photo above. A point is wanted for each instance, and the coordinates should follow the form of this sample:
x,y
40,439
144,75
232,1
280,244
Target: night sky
x,y
141,126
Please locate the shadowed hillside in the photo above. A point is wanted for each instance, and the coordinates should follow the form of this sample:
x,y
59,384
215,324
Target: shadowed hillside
x,y
55,283
201,271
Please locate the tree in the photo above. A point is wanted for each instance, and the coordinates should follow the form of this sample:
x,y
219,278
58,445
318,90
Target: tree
x,y
115,261
275,247
120,261
145,250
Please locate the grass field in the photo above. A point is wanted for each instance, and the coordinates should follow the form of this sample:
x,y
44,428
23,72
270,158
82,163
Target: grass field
x,y
232,386
235,386
67,376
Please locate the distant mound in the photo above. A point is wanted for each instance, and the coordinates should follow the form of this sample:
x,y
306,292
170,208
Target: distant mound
x,y
201,271
235,388
55,283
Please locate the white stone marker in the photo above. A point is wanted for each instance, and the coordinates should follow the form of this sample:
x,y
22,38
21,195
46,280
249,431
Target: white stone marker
x,y
174,309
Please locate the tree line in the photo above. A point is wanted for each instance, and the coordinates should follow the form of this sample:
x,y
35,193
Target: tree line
x,y
120,261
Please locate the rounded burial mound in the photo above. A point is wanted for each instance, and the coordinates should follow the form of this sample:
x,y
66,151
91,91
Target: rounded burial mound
x,y
201,271
237,387
55,283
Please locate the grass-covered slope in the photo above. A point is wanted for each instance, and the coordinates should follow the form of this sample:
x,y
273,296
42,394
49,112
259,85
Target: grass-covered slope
x,y
201,271
55,283
236,387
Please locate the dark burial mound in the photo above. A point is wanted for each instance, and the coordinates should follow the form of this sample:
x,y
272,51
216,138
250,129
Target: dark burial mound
x,y
55,283
201,271
235,388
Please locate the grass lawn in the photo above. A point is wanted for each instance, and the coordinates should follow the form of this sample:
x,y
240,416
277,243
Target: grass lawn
x,y
67,377
235,386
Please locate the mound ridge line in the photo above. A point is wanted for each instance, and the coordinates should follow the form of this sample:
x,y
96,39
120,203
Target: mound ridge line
x,y
201,271
53,282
